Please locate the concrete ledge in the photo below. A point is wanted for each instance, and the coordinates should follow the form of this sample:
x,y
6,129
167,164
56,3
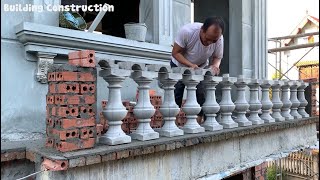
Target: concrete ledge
x,y
102,153
36,152
57,40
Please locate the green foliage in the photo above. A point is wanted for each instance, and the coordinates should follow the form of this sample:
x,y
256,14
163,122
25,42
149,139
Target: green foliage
x,y
272,173
276,75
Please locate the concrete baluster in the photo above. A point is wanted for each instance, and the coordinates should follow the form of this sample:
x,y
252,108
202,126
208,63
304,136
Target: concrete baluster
x,y
277,103
114,111
226,104
169,109
285,110
144,110
266,103
191,106
254,102
210,106
302,99
241,102
294,100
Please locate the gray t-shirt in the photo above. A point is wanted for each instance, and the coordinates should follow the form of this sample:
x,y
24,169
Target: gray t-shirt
x,y
188,38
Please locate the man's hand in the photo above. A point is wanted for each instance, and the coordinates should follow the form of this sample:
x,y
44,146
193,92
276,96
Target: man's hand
x,y
215,70
194,66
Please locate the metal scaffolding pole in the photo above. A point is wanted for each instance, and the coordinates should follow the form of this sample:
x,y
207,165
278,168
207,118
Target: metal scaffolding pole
x,y
294,36
299,60
287,48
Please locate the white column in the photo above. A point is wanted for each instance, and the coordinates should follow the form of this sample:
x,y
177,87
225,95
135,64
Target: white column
x,y
144,110
285,110
294,100
241,102
302,99
169,109
226,104
277,104
255,104
158,17
210,106
266,103
114,111
191,107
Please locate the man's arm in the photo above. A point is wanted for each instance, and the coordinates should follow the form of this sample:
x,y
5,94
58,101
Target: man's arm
x,y
177,54
216,57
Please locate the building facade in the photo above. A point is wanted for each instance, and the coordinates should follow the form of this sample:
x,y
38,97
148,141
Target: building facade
x,y
33,40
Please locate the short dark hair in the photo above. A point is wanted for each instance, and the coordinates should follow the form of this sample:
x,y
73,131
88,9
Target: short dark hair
x,y
214,20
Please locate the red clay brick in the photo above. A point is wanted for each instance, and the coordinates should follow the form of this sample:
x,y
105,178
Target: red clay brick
x,y
66,76
30,156
50,122
104,103
51,76
50,99
85,62
89,99
9,156
99,128
67,88
52,88
88,132
109,157
122,154
67,99
87,111
86,77
49,142
65,111
94,159
76,123
78,162
126,103
75,145
66,134
55,165
81,54
74,99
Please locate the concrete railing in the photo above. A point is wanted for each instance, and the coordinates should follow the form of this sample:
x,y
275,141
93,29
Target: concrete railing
x,y
288,101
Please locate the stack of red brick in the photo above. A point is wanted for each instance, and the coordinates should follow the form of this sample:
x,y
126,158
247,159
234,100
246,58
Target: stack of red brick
x,y
129,123
71,103
157,118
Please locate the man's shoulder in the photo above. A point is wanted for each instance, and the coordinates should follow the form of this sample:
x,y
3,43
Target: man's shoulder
x,y
191,27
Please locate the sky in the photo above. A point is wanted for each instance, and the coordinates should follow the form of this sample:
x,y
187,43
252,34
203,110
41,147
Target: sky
x,y
284,15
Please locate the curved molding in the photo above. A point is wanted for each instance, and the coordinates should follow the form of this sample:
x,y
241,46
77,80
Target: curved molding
x,y
50,39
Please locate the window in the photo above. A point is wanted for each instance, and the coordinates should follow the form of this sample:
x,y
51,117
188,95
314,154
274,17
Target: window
x,y
112,23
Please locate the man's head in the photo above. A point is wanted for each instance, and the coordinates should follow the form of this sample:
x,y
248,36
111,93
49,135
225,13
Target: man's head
x,y
211,30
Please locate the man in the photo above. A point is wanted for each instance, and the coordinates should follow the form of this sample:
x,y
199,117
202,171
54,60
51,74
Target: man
x,y
198,45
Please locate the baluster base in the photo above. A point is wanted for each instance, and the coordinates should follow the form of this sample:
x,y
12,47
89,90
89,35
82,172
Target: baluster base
x,y
145,136
211,124
169,129
144,132
170,133
115,140
303,113
267,118
287,116
227,122
295,114
242,120
255,119
277,116
192,126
